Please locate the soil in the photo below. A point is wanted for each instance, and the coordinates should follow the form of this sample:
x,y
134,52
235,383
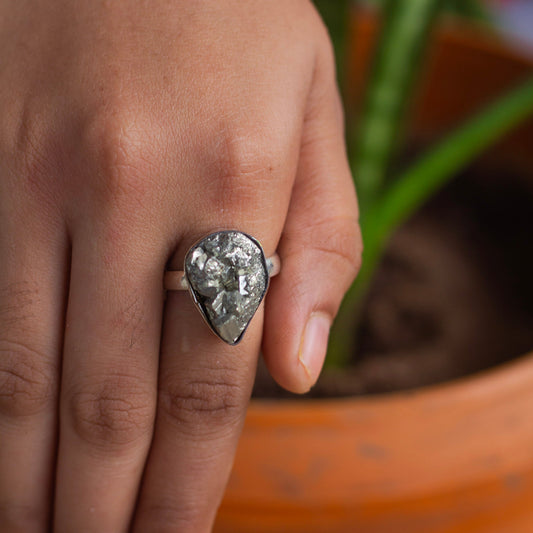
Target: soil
x,y
453,295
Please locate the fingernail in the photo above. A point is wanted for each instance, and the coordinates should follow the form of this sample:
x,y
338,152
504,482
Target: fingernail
x,y
314,345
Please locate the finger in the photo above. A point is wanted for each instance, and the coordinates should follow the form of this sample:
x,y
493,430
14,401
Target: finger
x,y
204,388
109,381
32,295
320,247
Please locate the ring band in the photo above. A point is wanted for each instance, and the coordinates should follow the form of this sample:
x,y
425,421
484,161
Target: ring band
x,y
227,276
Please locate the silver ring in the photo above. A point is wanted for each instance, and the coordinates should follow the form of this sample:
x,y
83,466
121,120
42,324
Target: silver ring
x,y
227,276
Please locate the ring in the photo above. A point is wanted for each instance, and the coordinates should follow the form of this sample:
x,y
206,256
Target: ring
x,y
227,275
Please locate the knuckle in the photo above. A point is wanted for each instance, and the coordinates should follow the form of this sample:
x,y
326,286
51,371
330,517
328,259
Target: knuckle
x,y
244,170
340,239
27,382
36,159
112,412
205,404
121,145
37,155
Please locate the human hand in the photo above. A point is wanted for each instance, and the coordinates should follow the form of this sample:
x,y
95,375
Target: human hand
x,y
129,130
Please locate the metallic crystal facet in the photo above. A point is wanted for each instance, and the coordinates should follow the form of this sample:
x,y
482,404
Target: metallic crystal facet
x,y
227,276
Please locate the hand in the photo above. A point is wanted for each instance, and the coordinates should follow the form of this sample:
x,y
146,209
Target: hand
x,y
129,130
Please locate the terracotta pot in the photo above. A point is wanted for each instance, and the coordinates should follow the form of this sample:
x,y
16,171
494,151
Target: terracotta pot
x,y
452,458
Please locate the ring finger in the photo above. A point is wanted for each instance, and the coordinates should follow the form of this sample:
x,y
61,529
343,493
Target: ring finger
x,y
204,383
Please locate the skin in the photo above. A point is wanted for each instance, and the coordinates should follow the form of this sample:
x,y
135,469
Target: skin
x,y
129,130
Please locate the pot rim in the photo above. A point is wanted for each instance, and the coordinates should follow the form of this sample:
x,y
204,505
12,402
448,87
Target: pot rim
x,y
471,435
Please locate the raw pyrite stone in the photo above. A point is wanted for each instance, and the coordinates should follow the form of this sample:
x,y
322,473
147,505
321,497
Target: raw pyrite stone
x,y
227,276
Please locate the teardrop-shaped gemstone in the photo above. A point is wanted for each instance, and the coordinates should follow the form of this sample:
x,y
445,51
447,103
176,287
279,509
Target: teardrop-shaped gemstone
x,y
227,276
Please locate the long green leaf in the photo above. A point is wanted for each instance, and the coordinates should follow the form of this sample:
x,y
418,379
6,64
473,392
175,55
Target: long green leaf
x,y
433,170
401,44
402,41
410,190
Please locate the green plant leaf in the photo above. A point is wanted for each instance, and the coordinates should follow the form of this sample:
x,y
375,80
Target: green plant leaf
x,y
411,189
434,169
401,45
402,42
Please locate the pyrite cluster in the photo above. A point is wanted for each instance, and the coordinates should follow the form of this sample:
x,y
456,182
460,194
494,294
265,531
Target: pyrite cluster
x,y
228,278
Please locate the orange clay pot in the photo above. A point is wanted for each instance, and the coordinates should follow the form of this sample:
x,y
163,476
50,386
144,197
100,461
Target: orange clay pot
x,y
453,458
448,459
